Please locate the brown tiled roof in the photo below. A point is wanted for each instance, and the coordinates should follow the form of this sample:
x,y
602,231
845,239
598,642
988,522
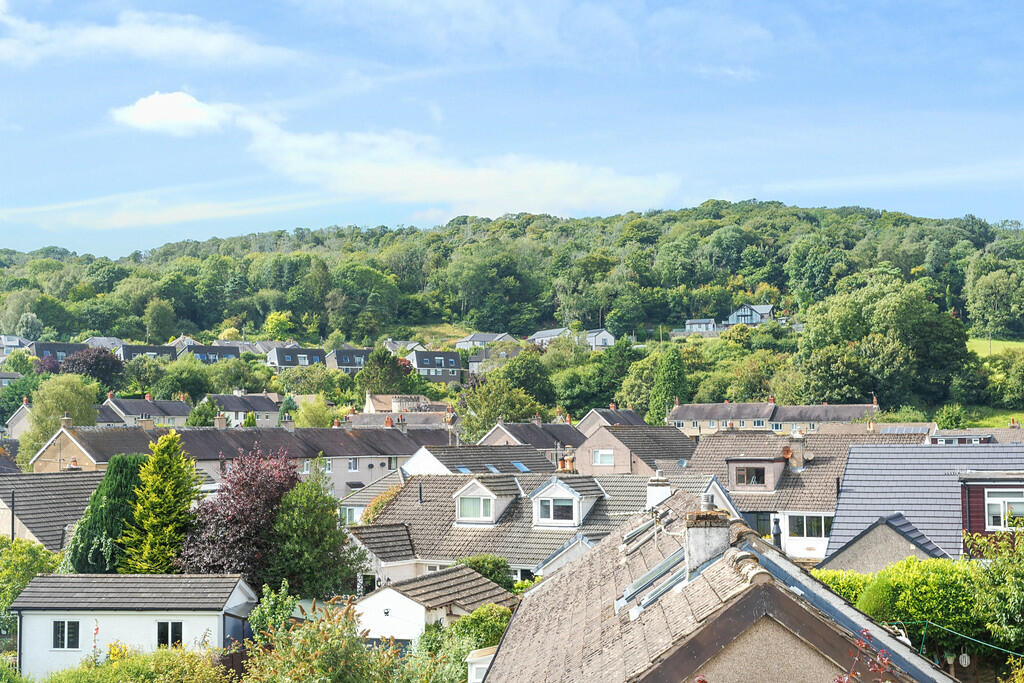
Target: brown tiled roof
x,y
457,586
813,488
185,592
389,542
651,443
476,458
47,502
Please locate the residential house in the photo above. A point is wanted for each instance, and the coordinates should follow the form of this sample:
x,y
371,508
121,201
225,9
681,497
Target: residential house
x,y
542,338
537,522
402,348
108,343
210,353
888,539
442,419
11,342
354,504
700,326
62,618
599,339
401,403
478,340
750,315
685,592
42,506
923,429
477,663
980,435
8,377
237,406
941,490
485,359
437,366
57,350
699,419
260,347
603,417
477,459
349,360
403,609
634,449
159,412
554,439
293,357
126,352
352,457
785,485
21,419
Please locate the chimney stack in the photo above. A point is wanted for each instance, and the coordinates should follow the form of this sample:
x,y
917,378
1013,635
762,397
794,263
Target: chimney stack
x,y
874,400
677,400
796,447
707,534
220,422
535,419
145,423
612,406
658,489
24,400
388,422
287,422
149,396
65,422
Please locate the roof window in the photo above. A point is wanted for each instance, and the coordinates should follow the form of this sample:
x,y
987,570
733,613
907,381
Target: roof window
x,y
520,466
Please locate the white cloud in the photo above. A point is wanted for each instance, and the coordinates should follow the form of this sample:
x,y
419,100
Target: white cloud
x,y
176,113
178,38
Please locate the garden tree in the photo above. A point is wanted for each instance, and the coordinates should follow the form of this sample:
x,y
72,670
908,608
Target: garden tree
x,y
159,320
288,407
12,396
231,532
316,378
568,351
316,413
185,375
93,547
669,382
999,584
20,561
29,326
440,653
142,374
57,395
250,420
236,373
526,371
752,376
787,384
273,611
310,544
480,406
636,385
162,514
18,361
16,304
326,647
202,414
713,387
493,567
579,389
382,373
98,363
279,325
47,365
951,416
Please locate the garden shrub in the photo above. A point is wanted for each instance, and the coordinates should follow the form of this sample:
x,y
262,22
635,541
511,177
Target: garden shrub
x,y
163,666
845,583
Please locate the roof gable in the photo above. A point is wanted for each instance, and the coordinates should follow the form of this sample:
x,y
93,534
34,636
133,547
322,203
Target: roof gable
x,y
47,502
136,592
457,586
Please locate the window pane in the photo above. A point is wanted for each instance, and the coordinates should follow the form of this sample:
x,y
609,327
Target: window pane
x,y
161,634
486,507
545,509
828,526
175,633
814,527
58,635
755,475
562,509
469,507
72,635
796,526
995,514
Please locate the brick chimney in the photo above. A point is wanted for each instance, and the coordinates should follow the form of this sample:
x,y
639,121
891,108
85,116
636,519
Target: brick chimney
x,y
24,400
612,406
388,422
220,422
535,419
707,533
658,489
771,399
287,423
65,422
145,423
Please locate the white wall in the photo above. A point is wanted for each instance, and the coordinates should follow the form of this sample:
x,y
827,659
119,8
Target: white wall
x,y
405,620
136,629
801,547
424,462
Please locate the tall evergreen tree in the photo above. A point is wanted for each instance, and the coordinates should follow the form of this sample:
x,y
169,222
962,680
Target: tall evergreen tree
x,y
250,420
162,514
382,373
669,383
93,548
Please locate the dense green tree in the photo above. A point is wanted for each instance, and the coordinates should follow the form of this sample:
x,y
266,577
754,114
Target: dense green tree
x,y
20,561
186,375
202,414
670,382
57,395
493,567
481,406
636,386
382,373
97,363
29,326
18,361
526,371
159,320
12,396
273,611
315,413
951,416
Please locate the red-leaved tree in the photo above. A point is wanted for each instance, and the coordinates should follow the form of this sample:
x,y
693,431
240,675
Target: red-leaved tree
x,y
231,533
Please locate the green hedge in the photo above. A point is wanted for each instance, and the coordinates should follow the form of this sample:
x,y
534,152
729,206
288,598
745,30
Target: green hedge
x,y
845,583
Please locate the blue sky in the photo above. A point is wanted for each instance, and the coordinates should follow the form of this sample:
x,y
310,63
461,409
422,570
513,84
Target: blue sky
x,y
126,125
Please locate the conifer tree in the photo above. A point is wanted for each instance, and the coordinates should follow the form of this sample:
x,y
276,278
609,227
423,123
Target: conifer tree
x,y
250,420
202,415
162,514
669,384
93,548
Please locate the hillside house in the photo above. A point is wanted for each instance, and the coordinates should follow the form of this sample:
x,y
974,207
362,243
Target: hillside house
x,y
634,449
599,339
21,419
348,360
108,343
402,347
750,315
210,353
12,342
56,350
126,352
542,338
700,326
437,366
603,417
484,359
554,439
294,357
237,406
401,403
479,340
700,419
158,412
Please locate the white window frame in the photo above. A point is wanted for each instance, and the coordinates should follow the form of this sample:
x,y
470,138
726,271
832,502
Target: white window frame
x,y
355,462
811,426
64,640
170,633
804,518
776,426
486,509
597,455
550,505
759,423
350,516
1001,497
328,465
743,423
303,359
392,462
711,423
305,466
694,424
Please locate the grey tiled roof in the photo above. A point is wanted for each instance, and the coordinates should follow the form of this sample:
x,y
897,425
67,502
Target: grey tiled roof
x,y
721,411
186,592
389,542
619,416
998,434
155,409
476,458
904,528
246,403
47,502
107,415
434,418
454,586
362,497
772,412
651,443
812,489
919,481
545,436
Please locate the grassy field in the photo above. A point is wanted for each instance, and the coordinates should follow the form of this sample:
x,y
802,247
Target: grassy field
x,y
984,416
440,332
980,346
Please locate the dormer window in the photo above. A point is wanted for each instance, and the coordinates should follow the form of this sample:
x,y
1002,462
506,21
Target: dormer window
x,y
556,509
474,509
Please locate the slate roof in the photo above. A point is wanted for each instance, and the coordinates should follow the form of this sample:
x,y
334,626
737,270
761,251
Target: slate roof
x,y
812,489
246,403
432,534
289,356
901,525
919,481
546,435
154,409
653,444
618,417
383,403
389,542
108,343
363,496
411,419
107,415
47,502
548,334
207,443
824,413
771,412
457,586
147,592
476,458
485,337
998,434
427,435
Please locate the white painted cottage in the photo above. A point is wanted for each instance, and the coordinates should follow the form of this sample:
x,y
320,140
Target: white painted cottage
x,y
63,617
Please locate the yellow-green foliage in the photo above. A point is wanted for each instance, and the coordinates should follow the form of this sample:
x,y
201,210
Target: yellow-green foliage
x,y
845,583
162,666
376,505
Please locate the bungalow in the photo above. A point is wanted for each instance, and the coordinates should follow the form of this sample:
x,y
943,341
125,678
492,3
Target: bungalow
x,y
477,460
350,361
698,419
683,593
481,339
599,339
41,507
403,609
281,358
554,439
237,406
64,617
699,326
634,449
159,412
544,337
603,417
210,354
437,366
56,350
750,315
126,352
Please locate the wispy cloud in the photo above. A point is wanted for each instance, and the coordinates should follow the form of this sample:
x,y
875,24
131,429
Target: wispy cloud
x,y
179,38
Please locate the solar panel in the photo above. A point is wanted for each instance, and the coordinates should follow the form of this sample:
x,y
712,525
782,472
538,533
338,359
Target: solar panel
x,y
463,470
520,466
493,469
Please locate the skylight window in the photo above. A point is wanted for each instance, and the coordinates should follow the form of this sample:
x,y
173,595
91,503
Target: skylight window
x,y
520,466
493,469
463,469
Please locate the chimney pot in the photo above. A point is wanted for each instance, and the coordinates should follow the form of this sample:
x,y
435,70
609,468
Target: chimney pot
x,y
612,406
24,400
677,400
287,423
